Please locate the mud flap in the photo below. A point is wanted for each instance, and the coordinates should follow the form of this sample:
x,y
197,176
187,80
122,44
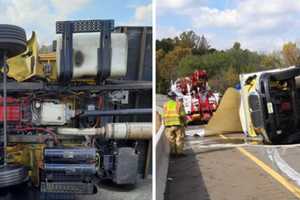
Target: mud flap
x,y
126,166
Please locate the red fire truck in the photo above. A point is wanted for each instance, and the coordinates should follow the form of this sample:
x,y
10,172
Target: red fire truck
x,y
198,99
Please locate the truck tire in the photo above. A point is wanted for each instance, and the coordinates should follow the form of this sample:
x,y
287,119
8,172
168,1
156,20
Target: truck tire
x,y
11,175
12,40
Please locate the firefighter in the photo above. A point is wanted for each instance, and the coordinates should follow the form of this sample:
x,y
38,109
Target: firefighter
x,y
173,118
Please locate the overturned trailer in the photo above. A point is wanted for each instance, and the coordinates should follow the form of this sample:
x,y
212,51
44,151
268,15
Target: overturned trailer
x,y
79,113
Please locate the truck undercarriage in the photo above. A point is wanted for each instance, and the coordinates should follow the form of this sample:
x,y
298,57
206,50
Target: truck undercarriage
x,y
80,113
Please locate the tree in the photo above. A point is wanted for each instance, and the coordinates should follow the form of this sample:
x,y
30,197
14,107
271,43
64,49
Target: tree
x,y
212,63
187,39
231,76
181,56
224,79
202,46
237,46
291,54
161,83
160,54
168,68
272,60
190,39
165,44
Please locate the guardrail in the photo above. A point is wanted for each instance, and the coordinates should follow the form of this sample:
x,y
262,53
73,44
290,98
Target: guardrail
x,y
162,160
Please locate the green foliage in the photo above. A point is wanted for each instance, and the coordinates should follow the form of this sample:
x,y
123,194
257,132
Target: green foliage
x,y
210,62
190,39
165,44
291,54
224,79
272,60
223,67
181,56
166,64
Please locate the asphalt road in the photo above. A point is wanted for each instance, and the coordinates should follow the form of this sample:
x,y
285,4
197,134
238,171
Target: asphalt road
x,y
220,169
106,191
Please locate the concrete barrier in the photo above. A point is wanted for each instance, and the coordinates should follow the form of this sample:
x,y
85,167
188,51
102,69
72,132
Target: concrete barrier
x,y
162,160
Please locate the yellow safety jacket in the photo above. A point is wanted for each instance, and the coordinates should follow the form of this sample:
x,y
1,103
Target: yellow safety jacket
x,y
173,113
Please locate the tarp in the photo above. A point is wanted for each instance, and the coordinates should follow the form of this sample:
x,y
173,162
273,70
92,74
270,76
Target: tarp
x,y
226,119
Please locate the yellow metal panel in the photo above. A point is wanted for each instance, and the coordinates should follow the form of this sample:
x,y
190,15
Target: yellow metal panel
x,y
49,58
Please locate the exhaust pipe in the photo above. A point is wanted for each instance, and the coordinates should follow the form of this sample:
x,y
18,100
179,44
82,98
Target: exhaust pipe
x,y
130,131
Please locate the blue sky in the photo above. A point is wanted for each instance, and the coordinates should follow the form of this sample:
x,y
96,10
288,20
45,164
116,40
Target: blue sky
x,y
40,15
259,25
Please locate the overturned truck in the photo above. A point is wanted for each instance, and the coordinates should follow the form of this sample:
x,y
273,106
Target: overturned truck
x,y
79,113
270,105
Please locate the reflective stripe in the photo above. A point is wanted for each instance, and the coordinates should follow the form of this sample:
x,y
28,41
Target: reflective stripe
x,y
172,121
172,113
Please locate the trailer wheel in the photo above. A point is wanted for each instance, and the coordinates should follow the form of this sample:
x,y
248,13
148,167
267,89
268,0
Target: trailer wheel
x,y
12,40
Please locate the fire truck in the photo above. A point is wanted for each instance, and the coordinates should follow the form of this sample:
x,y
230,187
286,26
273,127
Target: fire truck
x,y
199,101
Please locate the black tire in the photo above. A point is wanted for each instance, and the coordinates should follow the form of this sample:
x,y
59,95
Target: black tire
x,y
12,39
11,175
